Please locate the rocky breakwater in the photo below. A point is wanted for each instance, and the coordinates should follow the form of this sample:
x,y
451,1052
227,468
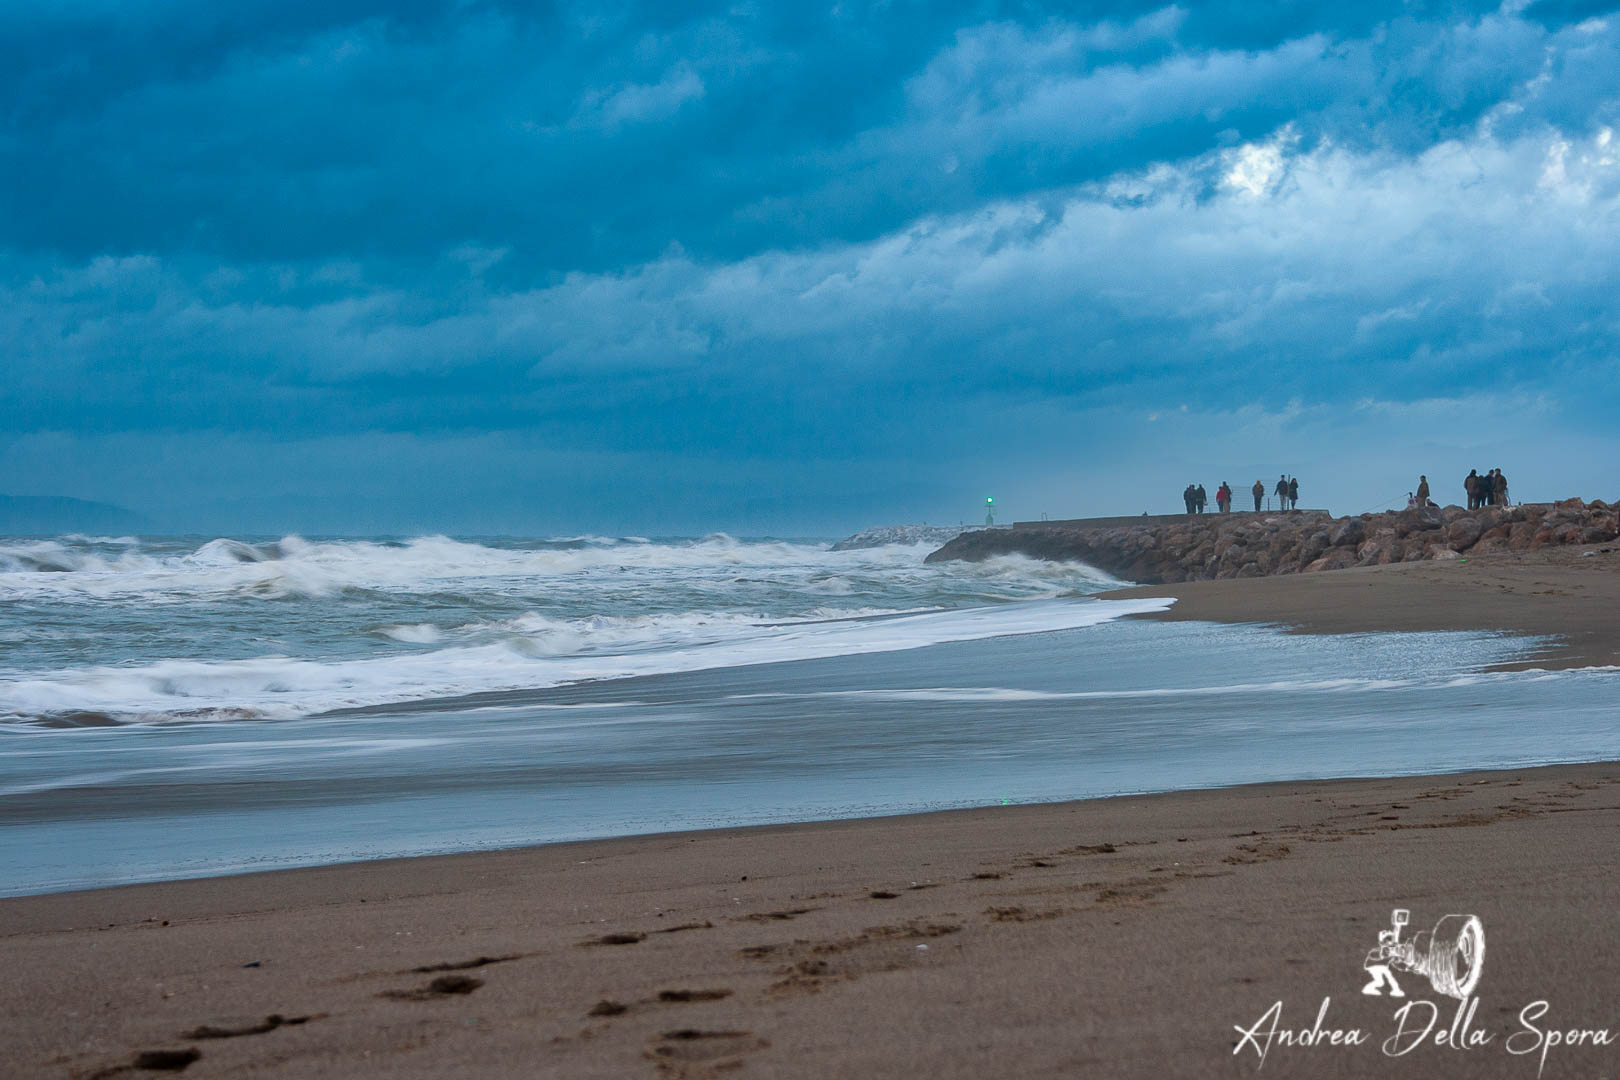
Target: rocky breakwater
x,y
1255,545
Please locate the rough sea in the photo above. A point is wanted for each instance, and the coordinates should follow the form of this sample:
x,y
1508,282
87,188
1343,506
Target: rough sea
x,y
188,706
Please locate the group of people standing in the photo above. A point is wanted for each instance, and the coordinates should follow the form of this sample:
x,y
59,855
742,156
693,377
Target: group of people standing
x,y
1287,492
1487,490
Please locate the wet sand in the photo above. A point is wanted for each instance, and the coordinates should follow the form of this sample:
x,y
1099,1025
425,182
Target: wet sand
x,y
1119,937
1553,591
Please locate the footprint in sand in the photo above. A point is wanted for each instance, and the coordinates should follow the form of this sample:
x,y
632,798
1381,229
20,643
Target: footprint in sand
x,y
443,986
153,1061
882,948
1023,914
463,965
776,916
695,1052
1263,851
672,996
252,1027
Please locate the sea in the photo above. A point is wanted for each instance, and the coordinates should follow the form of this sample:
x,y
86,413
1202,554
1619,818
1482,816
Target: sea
x,y
189,706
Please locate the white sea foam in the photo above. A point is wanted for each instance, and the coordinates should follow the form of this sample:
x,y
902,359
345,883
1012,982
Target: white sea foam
x,y
277,686
413,634
69,570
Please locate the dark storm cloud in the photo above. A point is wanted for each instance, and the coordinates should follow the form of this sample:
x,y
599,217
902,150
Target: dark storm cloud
x,y
697,241
586,136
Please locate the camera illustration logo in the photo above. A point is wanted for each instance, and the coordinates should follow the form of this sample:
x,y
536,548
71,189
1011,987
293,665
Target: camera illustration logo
x,y
1452,956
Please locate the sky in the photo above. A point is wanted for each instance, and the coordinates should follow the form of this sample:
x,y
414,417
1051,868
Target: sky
x,y
792,269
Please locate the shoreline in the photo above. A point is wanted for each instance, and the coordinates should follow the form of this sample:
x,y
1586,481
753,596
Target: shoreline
x,y
1551,592
419,860
1126,935
1054,935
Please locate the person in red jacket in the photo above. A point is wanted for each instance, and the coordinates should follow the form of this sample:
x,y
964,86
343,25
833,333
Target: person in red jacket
x,y
1223,497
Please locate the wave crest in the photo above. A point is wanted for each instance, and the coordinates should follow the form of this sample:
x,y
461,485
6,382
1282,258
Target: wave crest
x,y
529,653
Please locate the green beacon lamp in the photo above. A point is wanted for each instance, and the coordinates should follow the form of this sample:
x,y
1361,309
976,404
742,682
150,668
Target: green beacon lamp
x,y
989,510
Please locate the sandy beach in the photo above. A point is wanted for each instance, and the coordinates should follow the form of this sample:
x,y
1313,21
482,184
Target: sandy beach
x,y
1560,592
1131,936
1121,937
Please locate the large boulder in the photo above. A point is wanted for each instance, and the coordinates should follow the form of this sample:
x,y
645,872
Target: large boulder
x,y
1417,519
1463,533
1546,536
1336,559
1311,548
1380,549
1349,534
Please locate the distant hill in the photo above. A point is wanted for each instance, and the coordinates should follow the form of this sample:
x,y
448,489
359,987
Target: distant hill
x,y
51,515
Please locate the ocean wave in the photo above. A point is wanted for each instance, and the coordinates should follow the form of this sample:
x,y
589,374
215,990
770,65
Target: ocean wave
x,y
274,687
535,634
71,569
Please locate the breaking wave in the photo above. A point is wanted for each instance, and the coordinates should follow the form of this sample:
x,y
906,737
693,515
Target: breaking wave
x,y
80,568
525,653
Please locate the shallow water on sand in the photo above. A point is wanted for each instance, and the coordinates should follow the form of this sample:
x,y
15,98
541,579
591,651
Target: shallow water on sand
x,y
991,715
